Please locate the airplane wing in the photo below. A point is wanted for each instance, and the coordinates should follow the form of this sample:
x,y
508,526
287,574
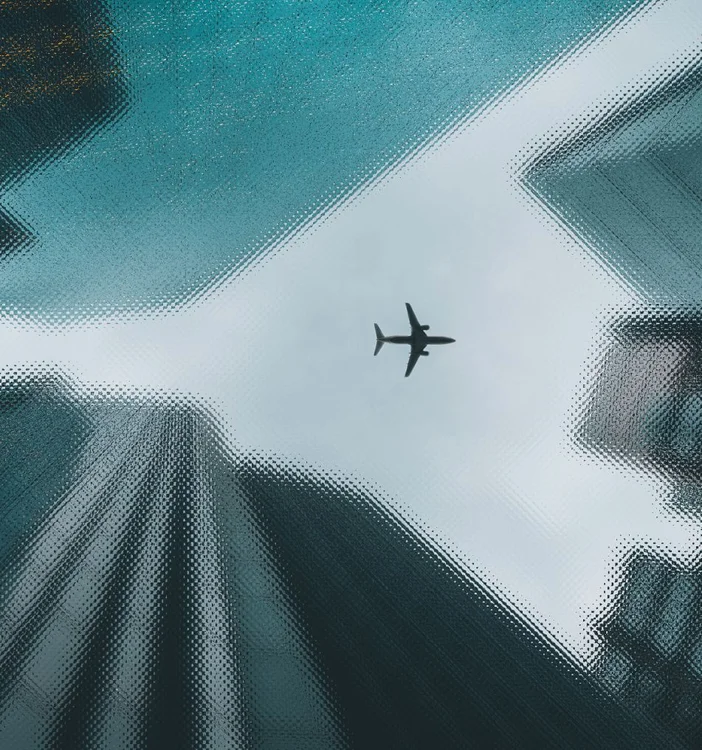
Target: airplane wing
x,y
415,354
412,317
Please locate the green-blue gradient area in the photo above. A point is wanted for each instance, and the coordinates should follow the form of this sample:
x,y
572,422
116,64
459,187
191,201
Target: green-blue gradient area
x,y
244,121
629,186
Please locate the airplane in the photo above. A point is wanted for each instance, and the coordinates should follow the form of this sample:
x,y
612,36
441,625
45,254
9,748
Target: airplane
x,y
418,340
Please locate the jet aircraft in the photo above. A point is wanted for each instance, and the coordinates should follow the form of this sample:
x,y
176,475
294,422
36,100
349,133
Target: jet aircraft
x,y
417,339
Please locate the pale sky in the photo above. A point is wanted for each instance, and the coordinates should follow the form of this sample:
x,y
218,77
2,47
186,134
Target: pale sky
x,y
475,445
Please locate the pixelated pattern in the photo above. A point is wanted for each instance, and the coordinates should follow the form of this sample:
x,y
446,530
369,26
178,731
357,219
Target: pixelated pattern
x,y
164,586
140,604
248,122
643,411
159,590
652,655
644,407
624,182
60,84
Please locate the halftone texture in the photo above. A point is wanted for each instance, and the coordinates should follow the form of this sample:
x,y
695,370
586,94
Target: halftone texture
x,y
643,409
626,180
159,591
627,183
60,83
248,121
652,638
139,605
644,406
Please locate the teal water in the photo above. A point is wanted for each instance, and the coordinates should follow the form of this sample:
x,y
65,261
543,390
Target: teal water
x,y
244,121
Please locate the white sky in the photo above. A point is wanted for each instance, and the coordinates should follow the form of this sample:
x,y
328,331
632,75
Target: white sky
x,y
475,443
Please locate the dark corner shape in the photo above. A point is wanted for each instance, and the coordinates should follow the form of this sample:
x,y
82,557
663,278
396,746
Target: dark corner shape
x,y
62,80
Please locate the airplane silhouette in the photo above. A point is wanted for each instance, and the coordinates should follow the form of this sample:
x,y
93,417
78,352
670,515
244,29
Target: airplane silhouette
x,y
418,340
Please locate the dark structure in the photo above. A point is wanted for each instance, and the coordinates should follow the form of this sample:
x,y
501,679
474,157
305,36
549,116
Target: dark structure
x,y
628,184
652,655
60,80
159,591
418,653
645,410
645,405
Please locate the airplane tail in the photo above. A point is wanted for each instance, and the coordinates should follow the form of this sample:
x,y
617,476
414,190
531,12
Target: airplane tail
x,y
378,339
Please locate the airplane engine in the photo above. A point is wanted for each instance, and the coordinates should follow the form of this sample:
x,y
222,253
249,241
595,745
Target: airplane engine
x,y
425,328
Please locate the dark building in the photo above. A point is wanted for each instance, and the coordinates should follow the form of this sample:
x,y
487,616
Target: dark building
x,y
627,182
60,80
652,644
645,403
158,590
644,409
251,121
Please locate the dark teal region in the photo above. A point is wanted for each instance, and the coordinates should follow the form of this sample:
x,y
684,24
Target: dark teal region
x,y
629,186
42,431
652,660
160,589
60,82
246,120
419,654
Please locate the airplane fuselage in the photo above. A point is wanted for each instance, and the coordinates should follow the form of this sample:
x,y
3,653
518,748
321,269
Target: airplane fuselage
x,y
418,340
